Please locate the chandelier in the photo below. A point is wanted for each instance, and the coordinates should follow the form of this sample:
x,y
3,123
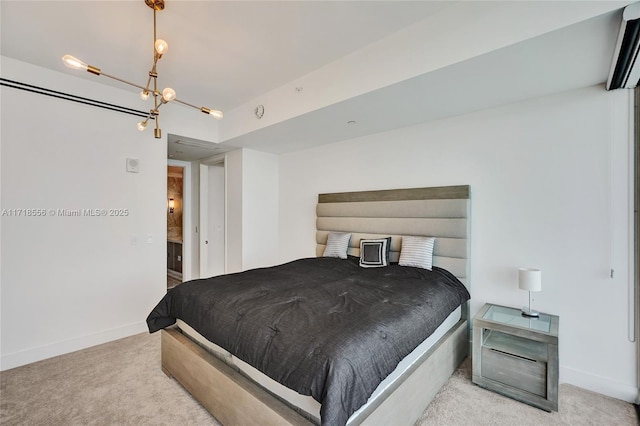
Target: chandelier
x,y
167,95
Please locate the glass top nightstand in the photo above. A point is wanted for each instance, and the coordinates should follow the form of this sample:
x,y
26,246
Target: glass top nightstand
x,y
516,355
514,317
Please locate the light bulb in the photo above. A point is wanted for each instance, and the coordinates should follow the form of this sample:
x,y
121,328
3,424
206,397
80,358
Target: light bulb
x,y
212,112
216,114
74,63
77,64
144,95
161,46
142,125
168,94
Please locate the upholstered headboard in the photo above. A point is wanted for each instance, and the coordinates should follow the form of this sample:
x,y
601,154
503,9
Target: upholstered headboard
x,y
441,212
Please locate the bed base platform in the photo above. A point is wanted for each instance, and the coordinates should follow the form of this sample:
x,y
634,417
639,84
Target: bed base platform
x,y
229,396
234,399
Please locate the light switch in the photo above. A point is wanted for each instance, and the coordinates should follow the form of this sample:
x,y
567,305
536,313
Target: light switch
x,y
149,238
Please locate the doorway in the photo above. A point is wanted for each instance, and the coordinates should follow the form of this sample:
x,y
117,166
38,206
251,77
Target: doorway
x,y
179,210
175,202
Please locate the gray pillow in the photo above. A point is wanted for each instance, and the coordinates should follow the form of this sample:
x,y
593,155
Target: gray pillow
x,y
337,245
375,253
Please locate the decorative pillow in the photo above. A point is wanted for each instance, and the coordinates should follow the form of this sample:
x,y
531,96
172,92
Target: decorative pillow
x,y
417,252
337,245
375,253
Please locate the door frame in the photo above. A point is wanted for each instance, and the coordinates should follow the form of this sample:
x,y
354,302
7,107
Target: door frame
x,y
187,201
218,160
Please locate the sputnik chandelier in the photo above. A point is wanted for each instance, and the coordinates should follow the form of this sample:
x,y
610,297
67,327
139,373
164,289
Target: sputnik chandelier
x,y
159,98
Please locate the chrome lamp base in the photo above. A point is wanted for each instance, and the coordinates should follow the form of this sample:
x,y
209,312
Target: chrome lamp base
x,y
528,312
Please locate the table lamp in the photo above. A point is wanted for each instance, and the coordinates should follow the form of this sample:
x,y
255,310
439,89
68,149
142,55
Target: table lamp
x,y
530,280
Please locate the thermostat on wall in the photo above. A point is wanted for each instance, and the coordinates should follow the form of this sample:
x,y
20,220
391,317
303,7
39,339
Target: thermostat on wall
x,y
259,111
133,165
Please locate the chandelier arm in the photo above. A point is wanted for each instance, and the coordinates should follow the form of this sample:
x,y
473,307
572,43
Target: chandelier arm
x,y
215,113
146,87
157,132
185,103
154,27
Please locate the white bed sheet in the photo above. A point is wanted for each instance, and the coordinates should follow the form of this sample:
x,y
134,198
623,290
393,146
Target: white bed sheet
x,y
306,403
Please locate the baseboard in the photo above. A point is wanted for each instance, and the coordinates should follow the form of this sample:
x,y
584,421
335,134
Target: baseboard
x,y
598,384
28,356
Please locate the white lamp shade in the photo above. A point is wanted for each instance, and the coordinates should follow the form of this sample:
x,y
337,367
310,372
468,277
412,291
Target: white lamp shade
x,y
530,279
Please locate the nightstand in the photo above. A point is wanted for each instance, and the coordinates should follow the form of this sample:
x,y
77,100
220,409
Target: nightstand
x,y
517,356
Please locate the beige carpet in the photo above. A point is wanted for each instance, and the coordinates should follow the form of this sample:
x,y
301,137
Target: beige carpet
x,y
460,402
120,383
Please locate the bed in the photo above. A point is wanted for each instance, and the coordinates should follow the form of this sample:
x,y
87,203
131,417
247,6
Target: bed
x,y
392,304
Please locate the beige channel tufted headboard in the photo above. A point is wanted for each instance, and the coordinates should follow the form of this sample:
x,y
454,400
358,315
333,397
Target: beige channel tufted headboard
x,y
440,212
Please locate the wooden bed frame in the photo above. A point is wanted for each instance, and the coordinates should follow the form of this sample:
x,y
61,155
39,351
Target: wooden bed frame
x,y
443,212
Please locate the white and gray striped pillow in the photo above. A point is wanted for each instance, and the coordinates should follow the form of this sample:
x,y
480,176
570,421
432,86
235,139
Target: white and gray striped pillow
x,y
337,245
417,252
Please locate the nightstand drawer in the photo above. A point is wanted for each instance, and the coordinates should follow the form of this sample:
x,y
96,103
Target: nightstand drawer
x,y
512,370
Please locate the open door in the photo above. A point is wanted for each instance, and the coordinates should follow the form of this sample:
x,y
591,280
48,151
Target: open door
x,y
212,218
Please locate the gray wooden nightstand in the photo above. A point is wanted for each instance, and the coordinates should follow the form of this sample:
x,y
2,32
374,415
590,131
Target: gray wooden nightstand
x,y
517,356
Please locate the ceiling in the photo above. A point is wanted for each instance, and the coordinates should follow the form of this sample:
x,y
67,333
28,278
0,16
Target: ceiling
x,y
569,58
223,54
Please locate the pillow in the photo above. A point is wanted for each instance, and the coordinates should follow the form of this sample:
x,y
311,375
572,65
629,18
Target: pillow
x,y
375,253
417,252
337,245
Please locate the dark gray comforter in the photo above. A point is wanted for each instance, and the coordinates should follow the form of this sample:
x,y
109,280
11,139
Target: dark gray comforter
x,y
323,327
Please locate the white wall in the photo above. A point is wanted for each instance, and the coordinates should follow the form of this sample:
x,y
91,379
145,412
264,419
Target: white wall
x,y
73,282
234,167
260,209
550,189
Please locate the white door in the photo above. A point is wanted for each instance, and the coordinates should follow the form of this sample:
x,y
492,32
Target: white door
x,y
212,220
